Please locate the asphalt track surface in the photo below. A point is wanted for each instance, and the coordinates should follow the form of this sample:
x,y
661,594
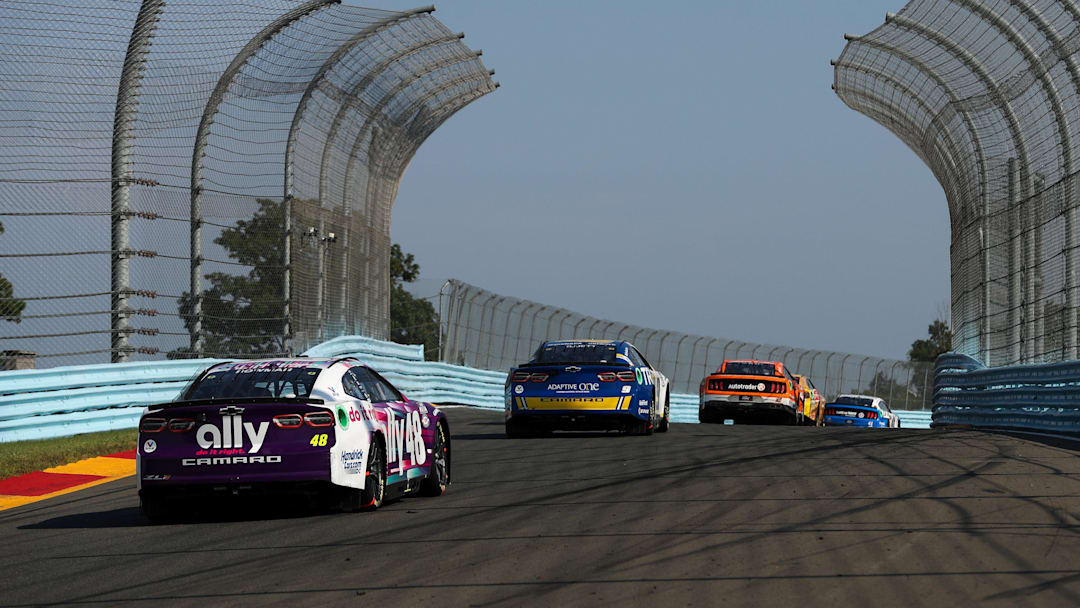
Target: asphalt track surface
x,y
705,515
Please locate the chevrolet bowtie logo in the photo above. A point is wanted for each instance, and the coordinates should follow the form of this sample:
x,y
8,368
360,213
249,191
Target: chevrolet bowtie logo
x,y
231,410
573,368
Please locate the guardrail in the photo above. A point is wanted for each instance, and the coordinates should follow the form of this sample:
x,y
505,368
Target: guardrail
x,y
1042,397
63,401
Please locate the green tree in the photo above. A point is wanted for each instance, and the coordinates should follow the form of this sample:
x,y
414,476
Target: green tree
x,y
11,308
242,314
939,342
412,320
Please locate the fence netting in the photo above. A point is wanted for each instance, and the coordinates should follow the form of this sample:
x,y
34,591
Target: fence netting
x,y
987,94
208,178
491,331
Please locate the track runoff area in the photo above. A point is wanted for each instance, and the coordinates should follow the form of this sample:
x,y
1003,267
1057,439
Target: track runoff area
x,y
705,515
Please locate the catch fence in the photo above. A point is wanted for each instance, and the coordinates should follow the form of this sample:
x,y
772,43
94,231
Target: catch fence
x,y
491,331
197,178
987,94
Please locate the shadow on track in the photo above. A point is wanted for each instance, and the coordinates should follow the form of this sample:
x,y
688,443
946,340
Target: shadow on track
x,y
221,511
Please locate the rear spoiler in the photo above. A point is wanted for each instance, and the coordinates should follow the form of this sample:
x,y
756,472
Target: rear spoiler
x,y
570,363
235,400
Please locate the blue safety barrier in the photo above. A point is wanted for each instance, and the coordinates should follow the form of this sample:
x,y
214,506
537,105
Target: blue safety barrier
x,y
63,401
1042,397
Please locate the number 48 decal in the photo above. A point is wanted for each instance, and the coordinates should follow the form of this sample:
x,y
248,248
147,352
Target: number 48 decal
x,y
318,440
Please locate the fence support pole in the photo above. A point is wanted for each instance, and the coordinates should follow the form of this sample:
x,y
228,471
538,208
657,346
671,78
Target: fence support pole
x,y
1016,253
126,113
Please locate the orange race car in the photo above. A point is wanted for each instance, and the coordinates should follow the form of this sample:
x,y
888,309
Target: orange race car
x,y
812,404
754,392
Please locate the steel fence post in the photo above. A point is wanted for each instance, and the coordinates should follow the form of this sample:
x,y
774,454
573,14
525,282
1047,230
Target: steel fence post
x,y
521,332
678,354
858,383
729,343
123,144
491,331
892,383
532,323
469,326
506,333
576,325
693,359
843,365
804,352
828,363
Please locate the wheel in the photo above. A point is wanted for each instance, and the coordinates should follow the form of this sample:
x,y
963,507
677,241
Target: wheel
x,y
371,497
157,508
439,477
665,421
516,430
643,427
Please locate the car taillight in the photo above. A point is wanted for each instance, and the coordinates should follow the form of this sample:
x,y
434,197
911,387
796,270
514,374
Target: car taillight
x,y
538,377
871,415
288,421
152,425
180,425
520,377
830,411
319,419
606,376
627,376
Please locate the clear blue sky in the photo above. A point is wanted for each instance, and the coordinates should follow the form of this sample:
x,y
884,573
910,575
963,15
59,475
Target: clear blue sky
x,y
683,166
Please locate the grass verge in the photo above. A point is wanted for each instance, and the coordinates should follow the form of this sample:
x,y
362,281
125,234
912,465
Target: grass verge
x,y
20,457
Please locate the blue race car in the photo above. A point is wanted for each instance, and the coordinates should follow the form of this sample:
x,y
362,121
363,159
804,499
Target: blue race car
x,y
860,411
586,385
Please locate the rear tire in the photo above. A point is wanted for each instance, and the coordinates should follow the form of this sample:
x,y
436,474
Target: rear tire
x,y
516,430
374,492
157,509
439,477
665,420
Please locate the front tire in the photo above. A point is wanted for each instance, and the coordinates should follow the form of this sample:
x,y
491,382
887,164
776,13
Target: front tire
x,y
439,477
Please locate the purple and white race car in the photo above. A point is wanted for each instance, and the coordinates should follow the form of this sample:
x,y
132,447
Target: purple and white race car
x,y
330,428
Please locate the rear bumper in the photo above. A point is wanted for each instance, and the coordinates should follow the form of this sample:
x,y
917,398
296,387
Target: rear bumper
x,y
724,407
855,422
236,490
243,470
575,421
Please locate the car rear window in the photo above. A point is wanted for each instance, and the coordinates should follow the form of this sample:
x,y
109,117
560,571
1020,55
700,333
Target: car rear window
x,y
848,400
576,352
286,379
747,368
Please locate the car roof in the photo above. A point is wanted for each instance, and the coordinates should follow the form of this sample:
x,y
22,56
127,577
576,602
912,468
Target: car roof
x,y
581,341
278,362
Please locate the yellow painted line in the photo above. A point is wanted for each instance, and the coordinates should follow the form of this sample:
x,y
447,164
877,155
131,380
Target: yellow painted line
x,y
10,502
102,465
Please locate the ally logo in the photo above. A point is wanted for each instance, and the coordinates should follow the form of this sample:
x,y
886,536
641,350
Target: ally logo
x,y
231,434
405,435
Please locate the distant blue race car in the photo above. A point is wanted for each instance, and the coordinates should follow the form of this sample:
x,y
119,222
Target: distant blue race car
x,y
860,411
586,385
